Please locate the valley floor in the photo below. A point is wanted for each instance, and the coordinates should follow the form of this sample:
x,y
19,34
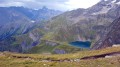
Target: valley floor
x,y
108,57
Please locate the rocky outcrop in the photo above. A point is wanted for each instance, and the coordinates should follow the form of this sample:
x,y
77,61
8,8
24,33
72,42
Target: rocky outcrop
x,y
59,51
50,43
111,36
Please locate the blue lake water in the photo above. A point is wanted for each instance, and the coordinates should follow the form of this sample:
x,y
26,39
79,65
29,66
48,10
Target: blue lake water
x,y
81,44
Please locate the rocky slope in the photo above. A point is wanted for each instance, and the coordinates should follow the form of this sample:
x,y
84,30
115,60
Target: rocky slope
x,y
84,24
110,37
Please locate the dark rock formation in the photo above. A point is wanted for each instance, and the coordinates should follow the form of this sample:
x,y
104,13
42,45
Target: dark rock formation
x,y
58,51
111,36
101,56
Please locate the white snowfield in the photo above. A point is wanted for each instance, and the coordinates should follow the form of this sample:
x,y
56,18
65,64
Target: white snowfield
x,y
108,6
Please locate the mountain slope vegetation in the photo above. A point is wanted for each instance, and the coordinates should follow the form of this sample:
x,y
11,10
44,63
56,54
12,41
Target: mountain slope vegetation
x,y
70,60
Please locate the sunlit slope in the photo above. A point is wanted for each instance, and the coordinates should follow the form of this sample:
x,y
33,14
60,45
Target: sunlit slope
x,y
58,60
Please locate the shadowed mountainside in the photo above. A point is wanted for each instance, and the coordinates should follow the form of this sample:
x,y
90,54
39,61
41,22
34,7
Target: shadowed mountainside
x,y
110,37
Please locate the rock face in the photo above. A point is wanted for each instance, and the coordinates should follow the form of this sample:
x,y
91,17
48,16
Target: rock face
x,y
110,37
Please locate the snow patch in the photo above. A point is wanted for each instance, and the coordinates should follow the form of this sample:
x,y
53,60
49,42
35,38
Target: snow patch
x,y
32,21
105,0
113,1
118,3
103,10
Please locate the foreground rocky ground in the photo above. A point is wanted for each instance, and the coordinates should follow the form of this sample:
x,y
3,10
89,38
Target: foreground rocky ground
x,y
108,57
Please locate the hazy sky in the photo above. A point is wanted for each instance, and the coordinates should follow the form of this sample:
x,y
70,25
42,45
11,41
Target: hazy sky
x,y
53,4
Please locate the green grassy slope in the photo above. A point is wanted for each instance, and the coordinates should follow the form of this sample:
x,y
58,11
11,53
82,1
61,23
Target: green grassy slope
x,y
40,60
45,48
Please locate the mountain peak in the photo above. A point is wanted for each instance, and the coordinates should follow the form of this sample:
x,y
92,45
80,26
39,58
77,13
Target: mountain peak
x,y
44,8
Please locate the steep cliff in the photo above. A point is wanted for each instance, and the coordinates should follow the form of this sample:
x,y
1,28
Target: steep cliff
x,y
111,36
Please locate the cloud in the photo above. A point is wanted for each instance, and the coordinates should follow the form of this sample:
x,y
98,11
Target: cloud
x,y
52,4
73,4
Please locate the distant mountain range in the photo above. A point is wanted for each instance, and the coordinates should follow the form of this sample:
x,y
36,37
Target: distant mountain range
x,y
16,21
